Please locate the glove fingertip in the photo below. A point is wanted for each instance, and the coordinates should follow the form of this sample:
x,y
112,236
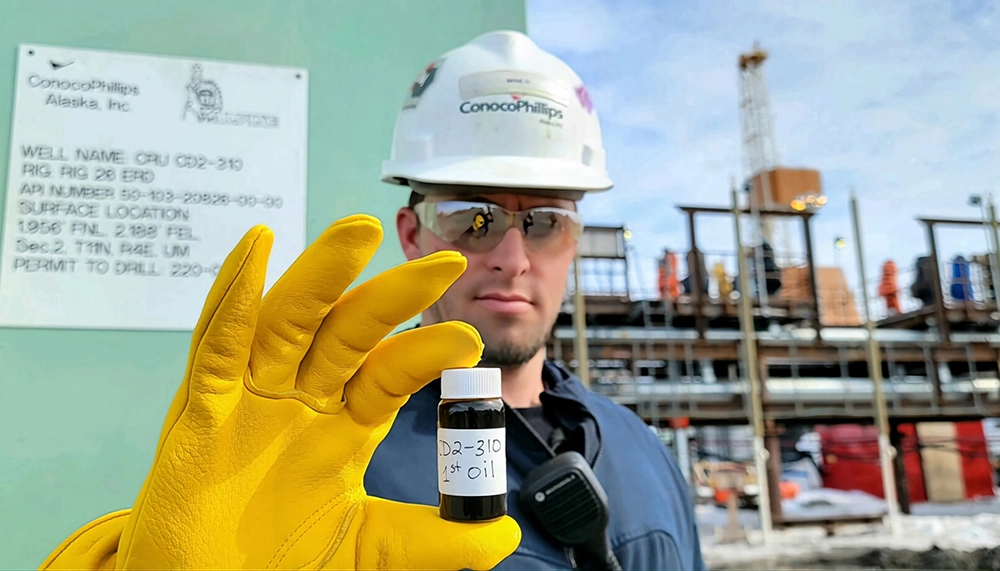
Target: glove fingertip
x,y
467,340
453,341
358,218
442,269
360,231
446,261
255,251
257,238
460,332
262,237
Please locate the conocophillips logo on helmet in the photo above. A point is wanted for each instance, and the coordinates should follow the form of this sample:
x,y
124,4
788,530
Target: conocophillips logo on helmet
x,y
518,106
204,101
421,84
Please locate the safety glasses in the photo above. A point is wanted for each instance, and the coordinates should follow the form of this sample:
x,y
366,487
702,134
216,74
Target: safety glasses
x,y
480,226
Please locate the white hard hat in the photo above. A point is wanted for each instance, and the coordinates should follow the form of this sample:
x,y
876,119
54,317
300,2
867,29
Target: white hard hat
x,y
498,112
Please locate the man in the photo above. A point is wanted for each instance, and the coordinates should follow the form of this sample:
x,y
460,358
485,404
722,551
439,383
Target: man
x,y
302,435
504,131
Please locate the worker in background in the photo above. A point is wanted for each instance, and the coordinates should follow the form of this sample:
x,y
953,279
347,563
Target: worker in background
x,y
668,283
961,279
723,281
922,287
304,434
695,260
888,288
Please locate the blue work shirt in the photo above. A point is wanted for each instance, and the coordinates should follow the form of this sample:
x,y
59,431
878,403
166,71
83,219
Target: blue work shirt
x,y
651,524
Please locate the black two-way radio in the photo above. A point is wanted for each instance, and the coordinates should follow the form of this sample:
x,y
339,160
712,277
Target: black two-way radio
x,y
565,498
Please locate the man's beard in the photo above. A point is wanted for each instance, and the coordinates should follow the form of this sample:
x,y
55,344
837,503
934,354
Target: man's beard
x,y
502,352
510,354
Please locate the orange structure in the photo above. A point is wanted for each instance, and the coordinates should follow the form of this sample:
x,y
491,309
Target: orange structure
x,y
888,288
783,187
836,304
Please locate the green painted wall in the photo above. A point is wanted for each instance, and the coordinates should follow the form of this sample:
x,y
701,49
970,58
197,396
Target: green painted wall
x,y
80,411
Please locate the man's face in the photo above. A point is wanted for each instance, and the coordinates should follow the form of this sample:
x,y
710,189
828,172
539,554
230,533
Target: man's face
x,y
511,293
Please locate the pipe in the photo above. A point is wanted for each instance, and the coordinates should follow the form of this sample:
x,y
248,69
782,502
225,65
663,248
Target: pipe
x,y
580,321
813,285
885,451
995,258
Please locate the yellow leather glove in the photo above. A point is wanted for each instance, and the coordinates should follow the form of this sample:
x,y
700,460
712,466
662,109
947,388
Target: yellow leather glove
x,y
261,460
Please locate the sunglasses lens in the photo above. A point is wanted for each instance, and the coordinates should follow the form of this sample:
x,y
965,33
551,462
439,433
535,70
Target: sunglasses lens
x,y
470,226
479,227
550,227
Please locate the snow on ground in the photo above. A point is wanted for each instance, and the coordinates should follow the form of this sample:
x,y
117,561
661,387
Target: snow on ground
x,y
917,532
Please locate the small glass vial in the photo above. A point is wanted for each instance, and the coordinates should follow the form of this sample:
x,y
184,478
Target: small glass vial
x,y
472,446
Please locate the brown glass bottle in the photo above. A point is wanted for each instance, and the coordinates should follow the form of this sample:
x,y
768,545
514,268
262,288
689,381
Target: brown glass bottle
x,y
472,459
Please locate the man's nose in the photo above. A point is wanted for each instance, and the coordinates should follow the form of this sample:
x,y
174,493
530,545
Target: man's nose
x,y
510,256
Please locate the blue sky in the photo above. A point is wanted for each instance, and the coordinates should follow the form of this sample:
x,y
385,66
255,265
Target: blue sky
x,y
899,99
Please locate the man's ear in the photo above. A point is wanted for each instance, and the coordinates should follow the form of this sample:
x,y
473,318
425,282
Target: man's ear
x,y
408,230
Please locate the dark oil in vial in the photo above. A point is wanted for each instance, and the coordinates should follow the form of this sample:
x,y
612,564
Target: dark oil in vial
x,y
472,414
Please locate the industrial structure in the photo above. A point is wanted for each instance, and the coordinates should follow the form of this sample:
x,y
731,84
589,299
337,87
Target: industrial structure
x,y
904,373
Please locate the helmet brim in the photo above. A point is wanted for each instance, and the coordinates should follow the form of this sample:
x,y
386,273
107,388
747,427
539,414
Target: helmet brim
x,y
531,175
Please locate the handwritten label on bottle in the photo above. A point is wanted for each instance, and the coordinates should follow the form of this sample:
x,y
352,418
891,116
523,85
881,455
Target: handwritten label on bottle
x,y
472,462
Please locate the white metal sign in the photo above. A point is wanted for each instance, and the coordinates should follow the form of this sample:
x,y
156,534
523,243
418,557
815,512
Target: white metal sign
x,y
602,242
131,177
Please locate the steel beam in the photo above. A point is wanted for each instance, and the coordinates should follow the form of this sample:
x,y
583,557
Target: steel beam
x,y
944,327
753,373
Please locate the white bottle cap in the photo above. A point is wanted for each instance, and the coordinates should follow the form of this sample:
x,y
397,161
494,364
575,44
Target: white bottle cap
x,y
475,383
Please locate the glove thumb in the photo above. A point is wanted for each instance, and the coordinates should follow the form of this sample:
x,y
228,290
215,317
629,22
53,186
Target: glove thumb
x,y
410,536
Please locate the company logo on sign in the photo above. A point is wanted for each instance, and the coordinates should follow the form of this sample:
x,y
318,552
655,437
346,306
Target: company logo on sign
x,y
204,102
519,105
204,96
